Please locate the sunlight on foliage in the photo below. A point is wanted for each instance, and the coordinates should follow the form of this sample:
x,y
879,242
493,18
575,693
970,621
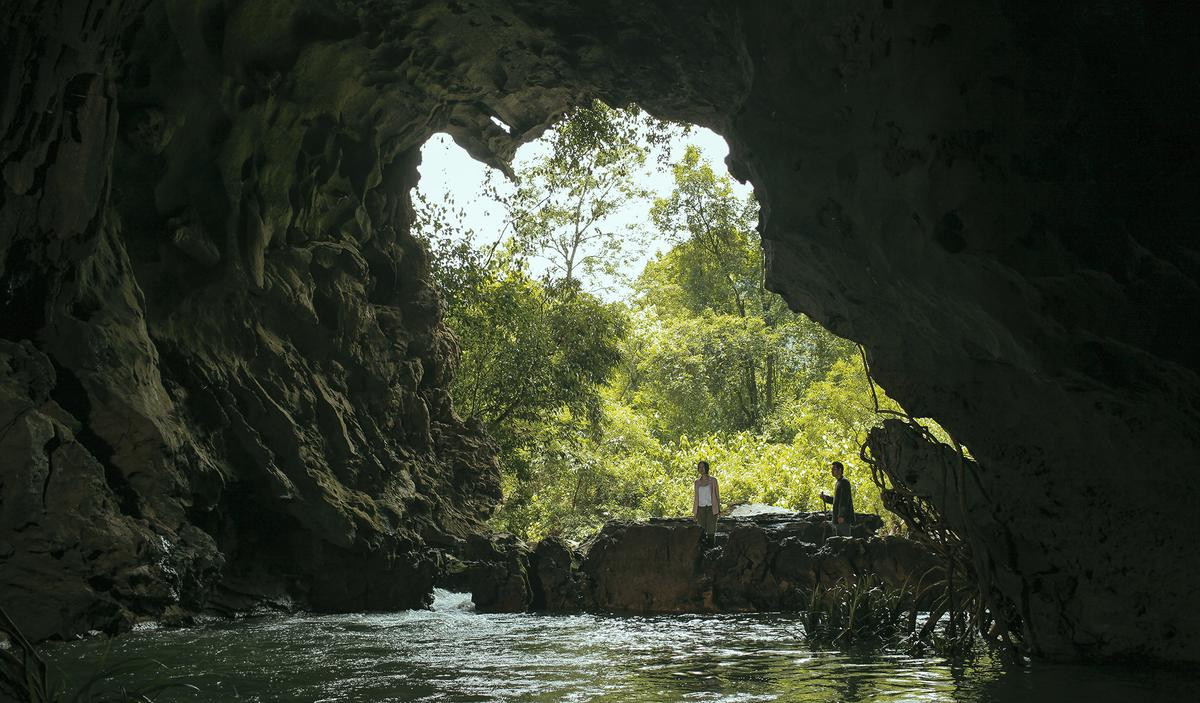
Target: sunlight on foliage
x,y
601,410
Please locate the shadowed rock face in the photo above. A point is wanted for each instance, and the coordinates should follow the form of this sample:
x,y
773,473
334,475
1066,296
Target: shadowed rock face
x,y
224,368
765,563
759,564
223,365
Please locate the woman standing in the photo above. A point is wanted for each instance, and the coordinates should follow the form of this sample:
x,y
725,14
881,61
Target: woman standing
x,y
706,501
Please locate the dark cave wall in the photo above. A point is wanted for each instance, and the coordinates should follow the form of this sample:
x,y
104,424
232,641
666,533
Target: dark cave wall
x,y
224,368
999,202
239,356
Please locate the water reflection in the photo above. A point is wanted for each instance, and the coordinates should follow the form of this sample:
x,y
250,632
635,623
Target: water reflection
x,y
452,654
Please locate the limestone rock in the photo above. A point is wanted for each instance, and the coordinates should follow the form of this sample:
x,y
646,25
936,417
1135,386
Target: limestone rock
x,y
645,568
555,577
759,564
201,411
496,571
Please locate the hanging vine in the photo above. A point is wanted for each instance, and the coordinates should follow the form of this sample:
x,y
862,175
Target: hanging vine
x,y
967,599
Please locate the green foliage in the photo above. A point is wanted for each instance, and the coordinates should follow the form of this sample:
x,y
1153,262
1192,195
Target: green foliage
x,y
722,353
602,410
532,349
564,205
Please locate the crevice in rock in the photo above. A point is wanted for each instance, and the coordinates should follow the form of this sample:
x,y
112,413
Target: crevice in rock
x,y
23,293
48,448
71,395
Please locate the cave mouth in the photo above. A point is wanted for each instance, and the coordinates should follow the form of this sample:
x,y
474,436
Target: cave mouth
x,y
206,218
625,265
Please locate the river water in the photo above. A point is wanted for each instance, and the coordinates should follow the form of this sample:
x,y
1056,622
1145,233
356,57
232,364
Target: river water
x,y
452,654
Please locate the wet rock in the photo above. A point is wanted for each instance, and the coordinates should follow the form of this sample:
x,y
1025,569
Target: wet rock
x,y
742,577
900,561
495,570
797,564
632,567
555,577
73,560
213,402
662,566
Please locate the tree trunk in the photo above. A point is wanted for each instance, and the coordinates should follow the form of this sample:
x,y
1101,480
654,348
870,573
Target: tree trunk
x,y
752,390
769,383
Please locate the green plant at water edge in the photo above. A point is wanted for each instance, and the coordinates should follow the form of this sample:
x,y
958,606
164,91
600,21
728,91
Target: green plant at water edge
x,y
865,612
973,609
25,677
861,612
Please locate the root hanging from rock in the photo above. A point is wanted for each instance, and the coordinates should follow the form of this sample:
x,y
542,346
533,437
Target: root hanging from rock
x,y
923,481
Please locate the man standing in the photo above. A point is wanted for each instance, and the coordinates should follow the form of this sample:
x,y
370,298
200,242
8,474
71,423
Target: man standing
x,y
843,503
706,501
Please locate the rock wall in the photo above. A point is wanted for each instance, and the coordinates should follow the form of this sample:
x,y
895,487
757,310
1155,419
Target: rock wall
x,y
767,563
203,226
757,565
223,363
999,201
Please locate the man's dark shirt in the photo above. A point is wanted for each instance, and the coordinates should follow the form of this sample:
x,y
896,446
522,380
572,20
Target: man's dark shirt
x,y
843,502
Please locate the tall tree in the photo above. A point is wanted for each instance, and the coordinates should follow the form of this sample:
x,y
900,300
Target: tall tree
x,y
535,350
740,346
567,204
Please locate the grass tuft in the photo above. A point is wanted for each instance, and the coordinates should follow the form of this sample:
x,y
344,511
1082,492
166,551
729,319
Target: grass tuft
x,y
25,678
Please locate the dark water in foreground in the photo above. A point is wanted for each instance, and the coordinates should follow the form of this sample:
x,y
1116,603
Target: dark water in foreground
x,y
452,654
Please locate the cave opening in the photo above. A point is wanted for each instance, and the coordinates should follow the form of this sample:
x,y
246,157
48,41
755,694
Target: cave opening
x,y
218,329
614,328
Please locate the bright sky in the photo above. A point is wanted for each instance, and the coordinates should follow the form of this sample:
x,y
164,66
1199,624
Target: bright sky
x,y
447,170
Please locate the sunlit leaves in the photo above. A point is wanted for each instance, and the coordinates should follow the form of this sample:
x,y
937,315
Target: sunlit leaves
x,y
601,410
566,204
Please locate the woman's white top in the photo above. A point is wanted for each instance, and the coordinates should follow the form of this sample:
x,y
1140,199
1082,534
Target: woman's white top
x,y
704,495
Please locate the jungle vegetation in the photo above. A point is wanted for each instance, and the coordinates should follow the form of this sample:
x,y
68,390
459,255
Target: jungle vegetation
x,y
600,407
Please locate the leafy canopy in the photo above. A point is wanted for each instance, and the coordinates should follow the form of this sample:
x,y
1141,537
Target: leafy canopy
x,y
601,410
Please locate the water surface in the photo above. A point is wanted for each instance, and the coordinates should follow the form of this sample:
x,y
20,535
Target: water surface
x,y
453,654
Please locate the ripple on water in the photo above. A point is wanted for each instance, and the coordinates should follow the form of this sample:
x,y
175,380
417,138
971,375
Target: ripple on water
x,y
454,655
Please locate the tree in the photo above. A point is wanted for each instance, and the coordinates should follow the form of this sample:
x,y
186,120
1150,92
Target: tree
x,y
725,350
534,355
565,206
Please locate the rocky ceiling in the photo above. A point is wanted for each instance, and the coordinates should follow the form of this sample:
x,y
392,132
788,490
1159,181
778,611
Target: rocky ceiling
x,y
222,367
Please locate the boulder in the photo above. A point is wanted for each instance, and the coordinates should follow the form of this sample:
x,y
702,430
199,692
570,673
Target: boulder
x,y
646,567
662,566
555,576
495,570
